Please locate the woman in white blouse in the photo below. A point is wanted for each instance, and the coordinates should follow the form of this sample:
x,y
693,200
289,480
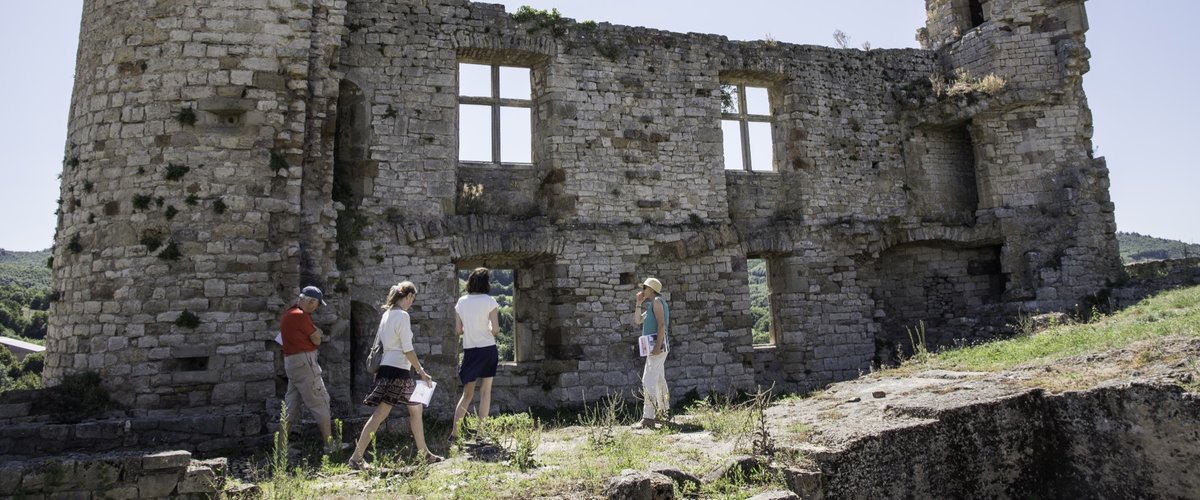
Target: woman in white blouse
x,y
394,382
476,319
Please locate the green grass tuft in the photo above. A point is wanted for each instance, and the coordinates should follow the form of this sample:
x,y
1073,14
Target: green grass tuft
x,y
1169,314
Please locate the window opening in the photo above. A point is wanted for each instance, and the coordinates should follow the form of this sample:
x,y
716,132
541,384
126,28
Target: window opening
x,y
976,7
495,118
761,308
504,290
190,364
746,128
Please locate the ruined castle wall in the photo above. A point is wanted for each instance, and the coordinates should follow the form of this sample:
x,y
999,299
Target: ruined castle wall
x,y
329,131
628,133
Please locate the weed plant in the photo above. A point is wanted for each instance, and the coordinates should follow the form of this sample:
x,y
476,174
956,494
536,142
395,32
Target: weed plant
x,y
520,434
916,338
722,415
602,420
763,444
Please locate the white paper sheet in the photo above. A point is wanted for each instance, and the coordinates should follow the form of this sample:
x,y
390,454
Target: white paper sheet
x,y
423,393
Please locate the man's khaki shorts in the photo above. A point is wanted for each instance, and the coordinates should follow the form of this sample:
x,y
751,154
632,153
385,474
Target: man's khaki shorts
x,y
304,383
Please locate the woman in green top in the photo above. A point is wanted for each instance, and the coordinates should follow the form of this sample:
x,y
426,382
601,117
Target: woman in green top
x,y
654,321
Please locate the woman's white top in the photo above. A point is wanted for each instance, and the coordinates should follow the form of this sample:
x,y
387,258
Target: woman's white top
x,y
395,332
473,310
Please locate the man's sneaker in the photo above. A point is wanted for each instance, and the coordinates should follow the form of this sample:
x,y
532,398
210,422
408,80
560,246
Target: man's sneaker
x,y
332,447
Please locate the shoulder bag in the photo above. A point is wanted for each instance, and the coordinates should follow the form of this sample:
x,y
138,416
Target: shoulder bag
x,y
375,357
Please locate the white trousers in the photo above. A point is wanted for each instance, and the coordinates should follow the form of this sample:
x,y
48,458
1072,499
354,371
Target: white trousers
x,y
655,395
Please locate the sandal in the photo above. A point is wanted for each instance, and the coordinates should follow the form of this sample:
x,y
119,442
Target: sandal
x,y
430,458
646,423
358,464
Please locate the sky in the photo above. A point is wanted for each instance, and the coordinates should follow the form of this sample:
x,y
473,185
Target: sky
x,y
1142,92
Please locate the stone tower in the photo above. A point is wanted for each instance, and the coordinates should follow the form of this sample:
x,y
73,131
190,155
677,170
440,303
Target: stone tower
x,y
192,185
222,156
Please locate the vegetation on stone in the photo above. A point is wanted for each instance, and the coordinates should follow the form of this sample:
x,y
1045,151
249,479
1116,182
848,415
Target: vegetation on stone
x,y
187,319
170,252
175,171
541,19
77,397
186,117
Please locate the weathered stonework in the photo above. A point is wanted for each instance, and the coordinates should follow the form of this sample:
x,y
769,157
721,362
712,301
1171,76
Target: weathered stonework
x,y
166,474
888,204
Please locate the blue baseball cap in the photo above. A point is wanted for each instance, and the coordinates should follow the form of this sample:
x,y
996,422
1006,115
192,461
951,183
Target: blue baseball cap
x,y
313,292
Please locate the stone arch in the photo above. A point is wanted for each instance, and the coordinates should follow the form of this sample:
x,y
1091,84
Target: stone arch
x,y
499,244
532,257
953,236
947,288
770,242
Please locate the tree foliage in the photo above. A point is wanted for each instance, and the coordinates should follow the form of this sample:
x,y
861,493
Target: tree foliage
x,y
760,300
25,270
20,375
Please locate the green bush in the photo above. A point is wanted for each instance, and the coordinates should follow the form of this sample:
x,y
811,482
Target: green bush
x,y
20,375
78,397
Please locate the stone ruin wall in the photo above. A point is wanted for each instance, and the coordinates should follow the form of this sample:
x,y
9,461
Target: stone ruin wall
x,y
889,205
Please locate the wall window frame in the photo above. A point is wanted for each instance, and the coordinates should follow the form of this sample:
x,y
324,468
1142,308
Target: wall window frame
x,y
771,305
496,103
519,349
734,96
975,13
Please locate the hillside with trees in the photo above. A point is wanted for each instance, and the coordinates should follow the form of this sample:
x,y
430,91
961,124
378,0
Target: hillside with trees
x,y
24,298
24,269
1140,248
24,294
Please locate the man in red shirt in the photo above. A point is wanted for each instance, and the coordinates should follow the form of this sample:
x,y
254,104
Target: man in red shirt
x,y
300,340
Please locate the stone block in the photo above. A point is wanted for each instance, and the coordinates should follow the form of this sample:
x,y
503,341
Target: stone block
x,y
775,495
70,495
228,392
14,410
684,482
121,492
177,459
199,478
733,469
10,476
98,474
158,485
634,485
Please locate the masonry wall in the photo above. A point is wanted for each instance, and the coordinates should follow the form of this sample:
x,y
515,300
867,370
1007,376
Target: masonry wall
x,y
877,183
